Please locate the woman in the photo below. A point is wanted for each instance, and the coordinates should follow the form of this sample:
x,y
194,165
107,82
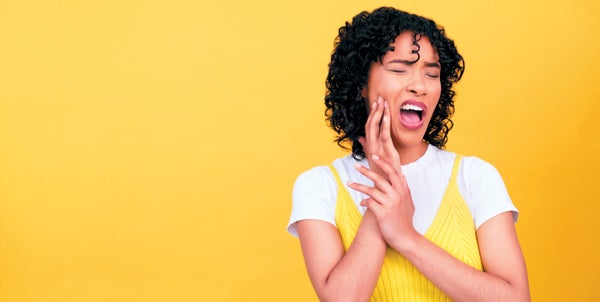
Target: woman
x,y
401,219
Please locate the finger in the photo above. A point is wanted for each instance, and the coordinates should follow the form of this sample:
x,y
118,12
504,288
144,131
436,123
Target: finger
x,y
384,130
374,120
372,192
393,176
365,202
363,142
379,181
386,139
369,173
371,113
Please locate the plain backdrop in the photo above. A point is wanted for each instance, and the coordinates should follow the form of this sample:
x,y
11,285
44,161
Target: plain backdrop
x,y
148,148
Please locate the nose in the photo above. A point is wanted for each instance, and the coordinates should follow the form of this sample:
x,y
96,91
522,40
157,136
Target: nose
x,y
417,85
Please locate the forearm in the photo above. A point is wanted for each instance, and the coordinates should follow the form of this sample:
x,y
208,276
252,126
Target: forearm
x,y
505,276
355,276
458,280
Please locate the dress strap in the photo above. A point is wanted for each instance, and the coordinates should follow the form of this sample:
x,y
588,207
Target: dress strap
x,y
336,175
455,167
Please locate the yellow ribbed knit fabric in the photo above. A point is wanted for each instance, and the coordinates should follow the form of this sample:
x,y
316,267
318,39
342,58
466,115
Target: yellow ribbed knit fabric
x,y
452,229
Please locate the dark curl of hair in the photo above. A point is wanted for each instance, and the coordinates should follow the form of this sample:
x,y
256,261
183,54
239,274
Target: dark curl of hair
x,y
365,41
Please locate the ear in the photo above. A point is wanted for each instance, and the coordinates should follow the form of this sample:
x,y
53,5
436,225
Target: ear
x,y
364,92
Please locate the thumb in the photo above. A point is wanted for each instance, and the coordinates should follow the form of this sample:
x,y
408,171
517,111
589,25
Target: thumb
x,y
372,205
365,202
363,141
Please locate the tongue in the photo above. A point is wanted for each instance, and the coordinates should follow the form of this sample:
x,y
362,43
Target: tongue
x,y
410,116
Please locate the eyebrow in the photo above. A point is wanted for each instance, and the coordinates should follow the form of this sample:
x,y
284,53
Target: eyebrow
x,y
407,62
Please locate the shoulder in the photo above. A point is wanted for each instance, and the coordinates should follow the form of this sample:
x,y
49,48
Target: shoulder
x,y
484,190
321,174
314,176
314,195
473,165
480,176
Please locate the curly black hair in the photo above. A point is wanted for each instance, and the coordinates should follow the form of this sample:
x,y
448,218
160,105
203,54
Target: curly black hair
x,y
365,41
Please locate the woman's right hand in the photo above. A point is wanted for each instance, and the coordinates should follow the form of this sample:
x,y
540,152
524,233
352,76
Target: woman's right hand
x,y
378,139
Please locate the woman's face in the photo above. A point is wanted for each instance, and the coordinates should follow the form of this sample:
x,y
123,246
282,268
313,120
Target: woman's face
x,y
412,89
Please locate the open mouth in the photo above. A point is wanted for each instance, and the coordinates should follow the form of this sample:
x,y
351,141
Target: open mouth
x,y
411,114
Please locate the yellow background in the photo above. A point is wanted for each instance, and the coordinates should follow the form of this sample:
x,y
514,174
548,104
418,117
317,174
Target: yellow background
x,y
148,148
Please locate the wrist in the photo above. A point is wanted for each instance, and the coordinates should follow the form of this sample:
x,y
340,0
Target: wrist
x,y
370,222
407,243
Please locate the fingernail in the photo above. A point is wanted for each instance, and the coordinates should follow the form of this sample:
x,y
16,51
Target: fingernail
x,y
385,103
375,157
373,105
379,100
349,183
385,118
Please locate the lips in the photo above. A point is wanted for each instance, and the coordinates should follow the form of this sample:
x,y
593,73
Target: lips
x,y
412,113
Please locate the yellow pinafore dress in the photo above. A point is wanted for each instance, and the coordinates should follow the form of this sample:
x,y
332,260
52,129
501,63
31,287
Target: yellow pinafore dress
x,y
452,229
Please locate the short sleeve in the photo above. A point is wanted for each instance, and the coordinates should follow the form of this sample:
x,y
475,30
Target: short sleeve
x,y
486,193
313,197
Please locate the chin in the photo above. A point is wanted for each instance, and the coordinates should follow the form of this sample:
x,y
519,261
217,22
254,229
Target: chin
x,y
408,141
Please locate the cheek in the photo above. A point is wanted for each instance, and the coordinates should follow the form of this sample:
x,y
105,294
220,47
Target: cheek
x,y
436,88
436,93
380,83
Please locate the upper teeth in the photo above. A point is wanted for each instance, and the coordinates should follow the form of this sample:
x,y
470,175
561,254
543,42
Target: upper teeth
x,y
411,107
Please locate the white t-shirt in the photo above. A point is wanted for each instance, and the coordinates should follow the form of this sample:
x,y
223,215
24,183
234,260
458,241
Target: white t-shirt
x,y
315,191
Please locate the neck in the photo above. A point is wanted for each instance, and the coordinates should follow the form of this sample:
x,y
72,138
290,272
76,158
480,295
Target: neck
x,y
409,154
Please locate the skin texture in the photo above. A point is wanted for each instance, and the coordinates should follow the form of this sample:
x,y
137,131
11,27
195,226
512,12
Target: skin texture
x,y
351,276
